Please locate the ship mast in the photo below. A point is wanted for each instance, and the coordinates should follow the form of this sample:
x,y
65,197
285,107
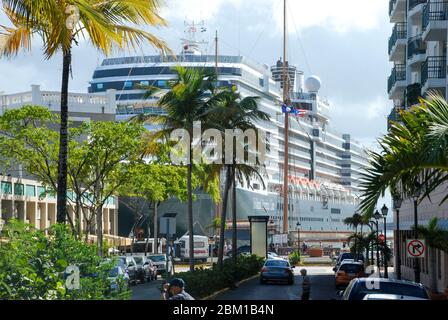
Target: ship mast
x,y
286,102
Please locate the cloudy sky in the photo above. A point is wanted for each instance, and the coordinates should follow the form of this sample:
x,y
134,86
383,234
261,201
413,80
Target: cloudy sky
x,y
343,42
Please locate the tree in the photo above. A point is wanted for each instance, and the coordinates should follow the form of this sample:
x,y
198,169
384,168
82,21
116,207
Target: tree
x,y
61,24
413,151
436,238
33,266
186,102
236,114
97,166
355,221
156,183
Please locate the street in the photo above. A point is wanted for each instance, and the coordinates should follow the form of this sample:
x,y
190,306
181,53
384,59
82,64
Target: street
x,y
322,281
322,287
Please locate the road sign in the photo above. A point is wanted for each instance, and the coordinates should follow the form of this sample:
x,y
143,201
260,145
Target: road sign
x,y
416,248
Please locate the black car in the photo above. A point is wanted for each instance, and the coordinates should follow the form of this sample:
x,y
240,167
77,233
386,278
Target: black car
x,y
360,287
277,270
241,250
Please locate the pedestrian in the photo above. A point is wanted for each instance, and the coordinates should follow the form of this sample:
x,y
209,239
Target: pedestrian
x,y
174,290
226,249
306,285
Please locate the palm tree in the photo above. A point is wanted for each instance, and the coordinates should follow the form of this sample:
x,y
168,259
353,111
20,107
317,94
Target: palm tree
x,y
436,238
354,221
236,113
187,101
61,24
414,150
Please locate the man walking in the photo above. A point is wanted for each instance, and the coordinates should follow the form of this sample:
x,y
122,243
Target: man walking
x,y
306,285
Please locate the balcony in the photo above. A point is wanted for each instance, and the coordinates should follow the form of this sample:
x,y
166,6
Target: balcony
x,y
435,21
415,10
413,94
397,82
434,73
416,51
397,42
397,10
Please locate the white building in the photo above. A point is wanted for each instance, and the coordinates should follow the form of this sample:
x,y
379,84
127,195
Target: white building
x,y
418,49
23,197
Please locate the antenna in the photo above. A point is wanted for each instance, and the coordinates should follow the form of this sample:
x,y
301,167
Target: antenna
x,y
190,45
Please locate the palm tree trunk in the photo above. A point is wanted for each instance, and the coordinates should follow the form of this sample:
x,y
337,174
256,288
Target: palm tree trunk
x,y
190,210
223,218
63,141
234,226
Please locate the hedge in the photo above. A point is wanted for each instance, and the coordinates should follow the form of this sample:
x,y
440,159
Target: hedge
x,y
205,282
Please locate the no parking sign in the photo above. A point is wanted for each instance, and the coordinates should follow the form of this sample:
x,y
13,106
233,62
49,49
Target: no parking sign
x,y
416,248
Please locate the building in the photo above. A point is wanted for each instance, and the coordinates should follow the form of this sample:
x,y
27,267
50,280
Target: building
x,y
21,195
418,50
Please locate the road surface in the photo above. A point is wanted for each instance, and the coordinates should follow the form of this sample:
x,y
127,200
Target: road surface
x,y
322,288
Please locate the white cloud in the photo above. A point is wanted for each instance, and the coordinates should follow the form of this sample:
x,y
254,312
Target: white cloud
x,y
378,108
340,16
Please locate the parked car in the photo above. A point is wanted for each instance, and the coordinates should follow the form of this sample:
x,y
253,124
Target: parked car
x,y
345,256
152,268
277,270
241,251
347,271
360,287
160,261
119,279
130,266
390,297
273,255
144,271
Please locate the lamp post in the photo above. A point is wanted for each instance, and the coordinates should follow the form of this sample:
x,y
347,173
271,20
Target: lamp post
x,y
377,216
416,197
371,224
298,237
384,211
397,205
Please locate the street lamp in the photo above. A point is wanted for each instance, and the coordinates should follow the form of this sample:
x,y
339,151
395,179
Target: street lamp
x,y
377,216
298,237
397,205
416,197
384,211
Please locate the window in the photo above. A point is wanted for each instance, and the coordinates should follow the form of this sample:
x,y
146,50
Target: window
x,y
19,189
128,84
30,191
144,83
261,82
6,187
335,211
100,86
41,193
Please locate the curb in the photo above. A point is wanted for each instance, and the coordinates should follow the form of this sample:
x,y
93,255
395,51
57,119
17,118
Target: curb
x,y
227,289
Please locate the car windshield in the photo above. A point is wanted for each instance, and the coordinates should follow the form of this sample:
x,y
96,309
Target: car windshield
x,y
346,256
400,289
351,268
277,263
159,258
139,260
114,272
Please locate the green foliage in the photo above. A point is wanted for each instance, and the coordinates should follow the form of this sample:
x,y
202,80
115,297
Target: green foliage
x,y
205,282
295,258
32,266
435,236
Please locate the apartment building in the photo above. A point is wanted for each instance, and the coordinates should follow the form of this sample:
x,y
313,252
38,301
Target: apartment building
x,y
418,50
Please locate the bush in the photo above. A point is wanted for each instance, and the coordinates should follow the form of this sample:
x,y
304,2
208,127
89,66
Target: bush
x,y
205,282
33,266
294,258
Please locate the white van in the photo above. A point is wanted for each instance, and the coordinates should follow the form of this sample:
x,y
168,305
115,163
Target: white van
x,y
201,248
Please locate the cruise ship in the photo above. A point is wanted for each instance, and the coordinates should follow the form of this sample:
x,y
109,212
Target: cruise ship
x,y
324,165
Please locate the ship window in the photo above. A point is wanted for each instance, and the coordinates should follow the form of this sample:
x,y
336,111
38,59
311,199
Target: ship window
x,y
100,86
261,82
128,84
144,83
